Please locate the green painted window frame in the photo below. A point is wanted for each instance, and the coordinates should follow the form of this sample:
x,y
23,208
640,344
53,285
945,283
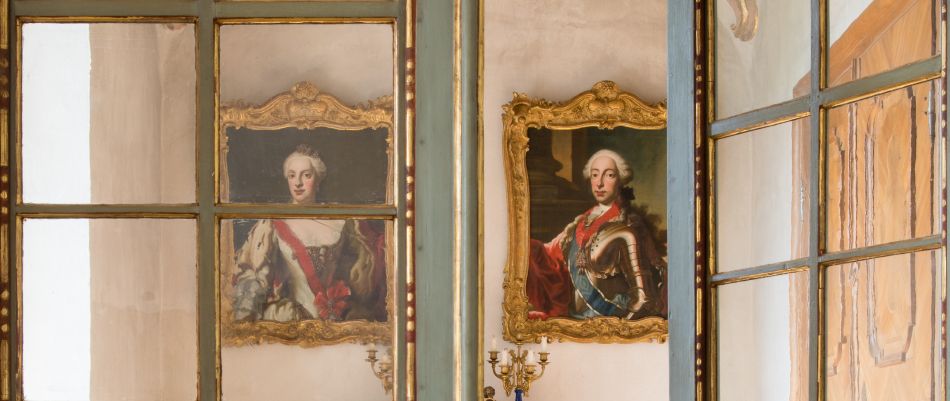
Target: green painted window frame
x,y
433,109
691,130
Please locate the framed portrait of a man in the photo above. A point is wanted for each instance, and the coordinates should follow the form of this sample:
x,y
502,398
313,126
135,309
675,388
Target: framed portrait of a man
x,y
587,218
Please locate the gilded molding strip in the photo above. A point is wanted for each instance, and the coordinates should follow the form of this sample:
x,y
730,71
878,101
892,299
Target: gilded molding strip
x,y
6,379
704,103
457,196
480,121
331,214
605,107
410,249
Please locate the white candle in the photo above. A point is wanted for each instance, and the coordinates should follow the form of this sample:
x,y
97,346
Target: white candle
x,y
531,358
504,357
494,343
544,344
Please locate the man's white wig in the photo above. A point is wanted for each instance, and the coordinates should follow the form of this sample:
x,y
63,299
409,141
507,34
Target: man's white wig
x,y
623,169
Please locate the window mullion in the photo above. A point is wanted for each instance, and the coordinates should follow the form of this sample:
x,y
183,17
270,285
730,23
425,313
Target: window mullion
x,y
818,29
862,88
105,8
752,273
756,119
183,211
686,130
208,374
941,131
272,9
254,211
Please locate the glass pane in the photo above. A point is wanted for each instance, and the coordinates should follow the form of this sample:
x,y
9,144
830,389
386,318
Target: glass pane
x,y
763,339
303,301
882,178
108,113
311,124
109,310
873,36
763,54
762,196
883,329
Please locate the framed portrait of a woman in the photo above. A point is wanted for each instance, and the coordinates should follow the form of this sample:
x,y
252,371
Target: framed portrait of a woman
x,y
587,218
306,280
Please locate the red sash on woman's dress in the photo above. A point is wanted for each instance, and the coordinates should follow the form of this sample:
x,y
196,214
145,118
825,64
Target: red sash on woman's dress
x,y
331,302
300,252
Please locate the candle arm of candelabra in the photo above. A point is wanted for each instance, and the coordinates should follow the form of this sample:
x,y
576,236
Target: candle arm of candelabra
x,y
539,372
495,369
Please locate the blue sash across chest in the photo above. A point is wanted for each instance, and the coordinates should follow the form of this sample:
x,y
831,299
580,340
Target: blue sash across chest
x,y
598,305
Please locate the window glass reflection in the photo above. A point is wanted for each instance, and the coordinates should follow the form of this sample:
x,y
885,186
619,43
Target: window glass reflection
x,y
882,173
883,328
762,53
874,36
763,339
109,309
108,113
762,196
304,304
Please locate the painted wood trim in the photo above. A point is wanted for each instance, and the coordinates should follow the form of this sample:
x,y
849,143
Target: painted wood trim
x,y
683,115
437,359
945,87
470,303
221,9
209,371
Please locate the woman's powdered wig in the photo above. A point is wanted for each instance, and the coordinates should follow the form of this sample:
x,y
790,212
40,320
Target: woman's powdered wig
x,y
304,150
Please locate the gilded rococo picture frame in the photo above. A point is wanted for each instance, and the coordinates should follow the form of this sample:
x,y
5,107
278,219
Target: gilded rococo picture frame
x,y
347,306
575,272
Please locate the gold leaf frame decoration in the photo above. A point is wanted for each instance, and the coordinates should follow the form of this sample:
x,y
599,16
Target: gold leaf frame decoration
x,y
304,106
605,107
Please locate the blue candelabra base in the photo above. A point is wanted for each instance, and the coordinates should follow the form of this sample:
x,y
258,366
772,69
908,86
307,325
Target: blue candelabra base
x,y
519,394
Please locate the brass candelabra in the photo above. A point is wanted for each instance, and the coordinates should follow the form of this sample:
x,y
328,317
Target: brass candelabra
x,y
383,369
519,367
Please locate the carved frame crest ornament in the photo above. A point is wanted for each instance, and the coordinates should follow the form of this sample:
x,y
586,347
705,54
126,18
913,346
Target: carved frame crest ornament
x,y
605,107
304,106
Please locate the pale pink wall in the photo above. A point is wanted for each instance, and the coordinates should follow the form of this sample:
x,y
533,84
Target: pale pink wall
x,y
555,50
